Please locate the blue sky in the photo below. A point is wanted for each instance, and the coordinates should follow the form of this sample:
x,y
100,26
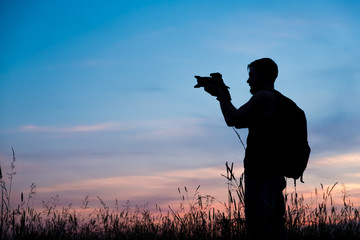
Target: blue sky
x,y
95,91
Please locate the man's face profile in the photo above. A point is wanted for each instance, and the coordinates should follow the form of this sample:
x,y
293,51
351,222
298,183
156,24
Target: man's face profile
x,y
254,81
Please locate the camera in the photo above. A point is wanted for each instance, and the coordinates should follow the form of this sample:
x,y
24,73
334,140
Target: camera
x,y
214,79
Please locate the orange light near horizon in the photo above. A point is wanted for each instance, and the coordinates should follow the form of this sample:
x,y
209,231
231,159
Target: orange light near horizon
x,y
164,185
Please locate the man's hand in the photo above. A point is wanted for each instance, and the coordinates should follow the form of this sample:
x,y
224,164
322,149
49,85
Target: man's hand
x,y
212,89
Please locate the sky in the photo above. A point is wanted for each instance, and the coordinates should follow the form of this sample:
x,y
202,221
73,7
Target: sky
x,y
97,97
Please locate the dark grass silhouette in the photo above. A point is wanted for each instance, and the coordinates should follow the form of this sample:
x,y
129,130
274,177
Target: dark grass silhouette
x,y
195,218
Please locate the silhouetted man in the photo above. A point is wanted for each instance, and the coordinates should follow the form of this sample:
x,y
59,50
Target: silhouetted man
x,y
264,200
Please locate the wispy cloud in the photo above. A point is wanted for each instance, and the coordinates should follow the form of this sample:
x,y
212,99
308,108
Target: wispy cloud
x,y
155,128
138,181
145,187
351,159
108,126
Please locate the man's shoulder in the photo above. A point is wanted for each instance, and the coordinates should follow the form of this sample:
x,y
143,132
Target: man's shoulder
x,y
264,96
263,100
283,99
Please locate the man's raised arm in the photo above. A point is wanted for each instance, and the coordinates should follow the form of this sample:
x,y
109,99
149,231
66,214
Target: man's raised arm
x,y
261,104
239,118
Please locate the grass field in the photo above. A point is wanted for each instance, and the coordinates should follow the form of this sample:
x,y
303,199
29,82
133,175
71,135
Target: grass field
x,y
195,218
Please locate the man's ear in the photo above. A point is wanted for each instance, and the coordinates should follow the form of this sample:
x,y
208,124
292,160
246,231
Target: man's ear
x,y
265,76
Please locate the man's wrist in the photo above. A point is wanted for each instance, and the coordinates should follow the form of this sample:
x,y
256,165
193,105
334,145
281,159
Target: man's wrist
x,y
222,98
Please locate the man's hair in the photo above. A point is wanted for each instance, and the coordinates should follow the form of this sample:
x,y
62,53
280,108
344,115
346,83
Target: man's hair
x,y
265,65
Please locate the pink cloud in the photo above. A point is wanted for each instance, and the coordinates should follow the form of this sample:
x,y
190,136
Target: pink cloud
x,y
145,188
108,126
159,128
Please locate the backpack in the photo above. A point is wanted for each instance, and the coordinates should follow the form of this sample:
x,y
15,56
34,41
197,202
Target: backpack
x,y
291,138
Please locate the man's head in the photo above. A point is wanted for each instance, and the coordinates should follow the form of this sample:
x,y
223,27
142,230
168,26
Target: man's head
x,y
262,74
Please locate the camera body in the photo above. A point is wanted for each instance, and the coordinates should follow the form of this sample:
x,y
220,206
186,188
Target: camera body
x,y
215,79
